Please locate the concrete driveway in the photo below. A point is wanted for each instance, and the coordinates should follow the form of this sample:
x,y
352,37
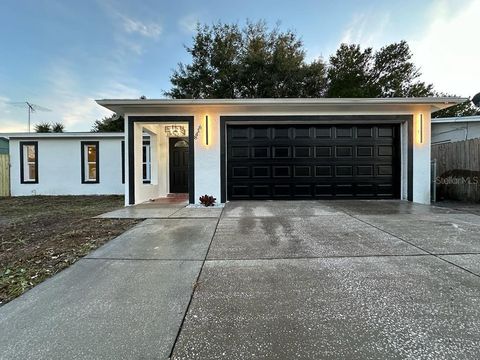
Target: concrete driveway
x,y
264,280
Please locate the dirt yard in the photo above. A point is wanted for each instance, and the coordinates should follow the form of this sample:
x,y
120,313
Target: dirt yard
x,y
41,235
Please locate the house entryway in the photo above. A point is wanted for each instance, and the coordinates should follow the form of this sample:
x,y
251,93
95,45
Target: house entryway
x,y
166,146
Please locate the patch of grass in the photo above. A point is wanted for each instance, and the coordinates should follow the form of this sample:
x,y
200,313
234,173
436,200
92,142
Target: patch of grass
x,y
42,235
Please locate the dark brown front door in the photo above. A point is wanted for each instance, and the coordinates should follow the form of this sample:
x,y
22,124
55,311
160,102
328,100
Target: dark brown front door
x,y
178,165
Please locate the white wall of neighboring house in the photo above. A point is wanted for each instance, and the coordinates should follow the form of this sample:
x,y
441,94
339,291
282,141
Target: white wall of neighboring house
x,y
446,130
59,167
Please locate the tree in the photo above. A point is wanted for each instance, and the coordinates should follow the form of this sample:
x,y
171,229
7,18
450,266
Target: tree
x,y
57,127
43,127
388,72
257,62
395,75
464,109
350,72
109,124
248,62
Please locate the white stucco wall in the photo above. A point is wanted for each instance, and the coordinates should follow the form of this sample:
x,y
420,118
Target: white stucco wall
x,y
421,159
207,157
59,168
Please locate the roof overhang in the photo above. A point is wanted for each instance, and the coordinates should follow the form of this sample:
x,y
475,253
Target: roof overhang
x,y
458,119
138,106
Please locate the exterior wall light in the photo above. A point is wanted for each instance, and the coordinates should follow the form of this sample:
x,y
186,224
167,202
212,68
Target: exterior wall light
x,y
420,129
206,130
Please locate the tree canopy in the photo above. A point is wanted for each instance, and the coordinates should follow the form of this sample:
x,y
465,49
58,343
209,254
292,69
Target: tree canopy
x,y
254,61
109,124
250,62
388,72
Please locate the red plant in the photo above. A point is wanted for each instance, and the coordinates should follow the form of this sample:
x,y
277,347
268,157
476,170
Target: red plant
x,y
207,200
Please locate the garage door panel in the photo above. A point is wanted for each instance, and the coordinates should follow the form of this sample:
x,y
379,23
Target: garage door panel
x,y
312,161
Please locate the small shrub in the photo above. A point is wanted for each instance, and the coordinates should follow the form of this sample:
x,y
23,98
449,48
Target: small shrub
x,y
207,200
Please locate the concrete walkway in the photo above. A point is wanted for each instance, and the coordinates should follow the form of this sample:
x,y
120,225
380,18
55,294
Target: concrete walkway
x,y
262,280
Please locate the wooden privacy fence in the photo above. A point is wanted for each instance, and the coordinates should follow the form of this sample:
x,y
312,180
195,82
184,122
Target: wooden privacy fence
x,y
458,170
4,175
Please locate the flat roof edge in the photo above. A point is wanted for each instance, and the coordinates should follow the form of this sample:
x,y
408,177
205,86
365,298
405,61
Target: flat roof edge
x,y
473,118
285,101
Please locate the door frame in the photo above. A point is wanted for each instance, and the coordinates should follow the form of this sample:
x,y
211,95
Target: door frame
x,y
131,149
317,119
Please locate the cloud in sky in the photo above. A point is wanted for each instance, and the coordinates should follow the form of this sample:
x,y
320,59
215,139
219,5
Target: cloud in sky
x,y
72,106
69,102
448,51
188,23
367,29
133,26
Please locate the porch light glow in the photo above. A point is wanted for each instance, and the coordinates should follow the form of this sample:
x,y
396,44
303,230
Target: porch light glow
x,y
420,129
206,130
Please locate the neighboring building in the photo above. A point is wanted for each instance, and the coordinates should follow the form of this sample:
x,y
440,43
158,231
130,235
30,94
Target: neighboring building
x,y
66,163
3,145
280,148
445,130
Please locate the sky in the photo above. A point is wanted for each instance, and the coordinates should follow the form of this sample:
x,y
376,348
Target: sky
x,y
63,54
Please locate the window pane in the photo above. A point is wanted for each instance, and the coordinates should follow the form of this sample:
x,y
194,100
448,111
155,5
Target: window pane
x,y
92,171
30,153
31,172
92,153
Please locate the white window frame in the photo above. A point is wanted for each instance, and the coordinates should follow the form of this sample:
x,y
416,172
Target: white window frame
x,y
147,151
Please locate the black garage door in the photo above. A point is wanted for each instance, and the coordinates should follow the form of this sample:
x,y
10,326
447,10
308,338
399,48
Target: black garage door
x,y
312,161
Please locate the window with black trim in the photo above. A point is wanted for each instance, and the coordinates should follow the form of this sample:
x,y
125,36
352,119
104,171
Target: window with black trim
x,y
29,162
90,162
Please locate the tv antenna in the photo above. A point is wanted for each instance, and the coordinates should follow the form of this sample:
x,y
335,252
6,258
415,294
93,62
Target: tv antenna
x,y
31,108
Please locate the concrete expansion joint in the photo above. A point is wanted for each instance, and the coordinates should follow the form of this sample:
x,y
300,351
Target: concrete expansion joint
x,y
138,259
438,256
195,285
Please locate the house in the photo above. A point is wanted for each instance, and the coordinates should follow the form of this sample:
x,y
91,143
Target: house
x,y
446,130
233,149
239,149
